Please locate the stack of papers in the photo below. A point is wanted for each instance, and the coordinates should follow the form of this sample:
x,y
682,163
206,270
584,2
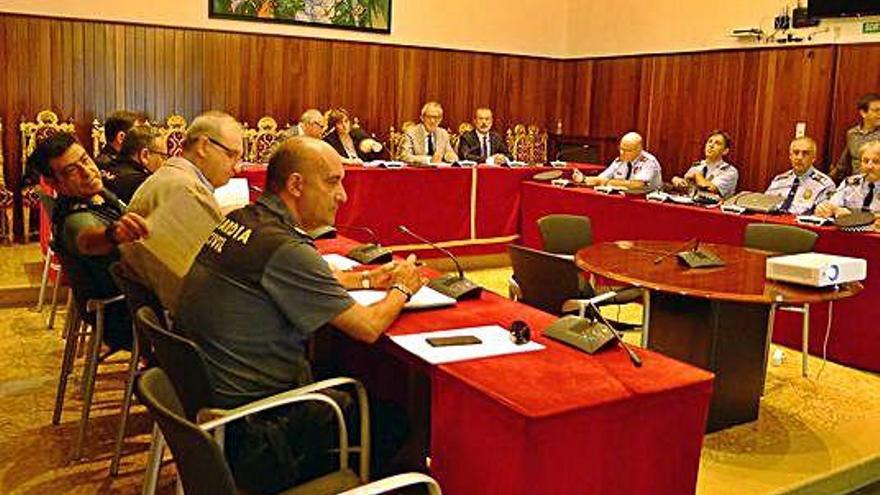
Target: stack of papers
x,y
426,297
233,195
495,342
339,262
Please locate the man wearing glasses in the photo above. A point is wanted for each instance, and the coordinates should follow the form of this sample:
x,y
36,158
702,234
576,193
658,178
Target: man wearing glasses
x,y
179,205
427,143
143,151
88,223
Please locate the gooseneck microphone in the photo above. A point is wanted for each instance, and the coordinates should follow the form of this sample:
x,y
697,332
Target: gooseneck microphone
x,y
636,360
454,286
694,241
369,253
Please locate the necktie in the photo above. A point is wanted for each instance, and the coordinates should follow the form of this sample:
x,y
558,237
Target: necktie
x,y
485,150
790,198
866,204
431,144
705,170
629,169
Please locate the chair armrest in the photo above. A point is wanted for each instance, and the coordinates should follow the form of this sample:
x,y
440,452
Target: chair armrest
x,y
514,290
93,304
394,483
284,398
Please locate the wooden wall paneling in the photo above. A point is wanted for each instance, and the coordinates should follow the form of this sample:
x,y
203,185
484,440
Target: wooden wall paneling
x,y
91,94
857,73
615,97
574,97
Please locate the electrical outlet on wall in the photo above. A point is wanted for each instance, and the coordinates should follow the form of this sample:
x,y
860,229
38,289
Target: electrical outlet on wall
x,y
800,129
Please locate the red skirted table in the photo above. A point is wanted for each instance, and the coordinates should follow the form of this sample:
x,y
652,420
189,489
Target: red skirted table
x,y
854,340
472,210
557,420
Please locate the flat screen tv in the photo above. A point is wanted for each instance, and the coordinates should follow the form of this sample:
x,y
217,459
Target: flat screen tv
x,y
842,8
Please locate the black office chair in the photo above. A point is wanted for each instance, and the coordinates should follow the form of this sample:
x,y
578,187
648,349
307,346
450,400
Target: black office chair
x,y
565,234
546,280
136,296
784,239
183,361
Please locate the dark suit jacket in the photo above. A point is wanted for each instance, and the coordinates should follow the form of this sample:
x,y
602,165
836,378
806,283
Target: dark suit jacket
x,y
469,147
357,135
123,177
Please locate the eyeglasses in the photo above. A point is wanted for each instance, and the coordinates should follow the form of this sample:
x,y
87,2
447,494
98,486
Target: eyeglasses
x,y
436,116
231,153
163,154
520,332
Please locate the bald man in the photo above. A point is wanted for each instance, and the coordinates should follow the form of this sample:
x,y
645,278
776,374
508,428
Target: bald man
x,y
634,168
802,187
259,289
178,202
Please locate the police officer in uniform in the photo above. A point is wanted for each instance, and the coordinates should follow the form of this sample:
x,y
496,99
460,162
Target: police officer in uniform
x,y
259,289
803,187
712,173
88,223
634,168
860,192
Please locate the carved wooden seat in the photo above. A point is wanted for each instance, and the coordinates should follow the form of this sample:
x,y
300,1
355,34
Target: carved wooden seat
x,y
174,133
45,125
455,138
99,140
395,139
260,142
527,144
6,200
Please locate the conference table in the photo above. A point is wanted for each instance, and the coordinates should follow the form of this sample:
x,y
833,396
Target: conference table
x,y
712,317
853,339
470,210
551,421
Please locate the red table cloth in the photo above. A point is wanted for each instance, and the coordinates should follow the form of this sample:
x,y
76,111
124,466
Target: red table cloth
x,y
854,339
473,210
558,420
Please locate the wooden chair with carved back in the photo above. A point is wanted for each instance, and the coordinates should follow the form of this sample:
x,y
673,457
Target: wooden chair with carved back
x,y
174,132
6,199
260,142
45,125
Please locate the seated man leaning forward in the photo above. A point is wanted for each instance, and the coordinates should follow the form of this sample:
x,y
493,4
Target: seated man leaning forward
x,y
258,289
712,173
860,192
802,187
178,202
88,223
635,168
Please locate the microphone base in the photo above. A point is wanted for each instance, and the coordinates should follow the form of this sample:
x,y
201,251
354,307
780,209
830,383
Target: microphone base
x,y
588,336
370,254
699,259
456,287
325,232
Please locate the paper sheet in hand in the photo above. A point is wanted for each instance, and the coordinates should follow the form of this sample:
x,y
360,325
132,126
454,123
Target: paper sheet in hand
x,y
233,195
339,262
177,242
496,342
426,297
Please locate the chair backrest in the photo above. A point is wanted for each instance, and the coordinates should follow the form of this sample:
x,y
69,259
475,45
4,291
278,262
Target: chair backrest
x,y
6,196
182,360
98,137
32,133
137,296
395,142
260,142
786,239
174,133
565,234
546,280
200,462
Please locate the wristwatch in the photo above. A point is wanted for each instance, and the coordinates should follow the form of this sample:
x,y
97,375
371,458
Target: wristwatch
x,y
403,290
365,280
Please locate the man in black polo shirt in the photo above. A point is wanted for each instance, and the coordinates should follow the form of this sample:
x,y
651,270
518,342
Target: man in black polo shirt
x,y
256,292
143,151
88,222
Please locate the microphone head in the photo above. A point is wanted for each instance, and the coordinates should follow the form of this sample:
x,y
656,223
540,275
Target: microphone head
x,y
403,229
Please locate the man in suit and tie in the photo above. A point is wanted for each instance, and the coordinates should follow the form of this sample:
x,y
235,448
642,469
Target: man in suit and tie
x,y
481,144
428,143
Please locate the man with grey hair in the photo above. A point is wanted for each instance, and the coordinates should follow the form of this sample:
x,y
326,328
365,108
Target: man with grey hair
x,y
179,205
428,143
634,168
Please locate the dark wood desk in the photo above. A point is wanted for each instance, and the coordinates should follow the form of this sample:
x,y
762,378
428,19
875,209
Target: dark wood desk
x,y
714,318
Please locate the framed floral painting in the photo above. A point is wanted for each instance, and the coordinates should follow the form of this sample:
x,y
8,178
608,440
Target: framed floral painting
x,y
360,15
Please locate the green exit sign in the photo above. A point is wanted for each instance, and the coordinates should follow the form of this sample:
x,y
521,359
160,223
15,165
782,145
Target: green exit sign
x,y
871,27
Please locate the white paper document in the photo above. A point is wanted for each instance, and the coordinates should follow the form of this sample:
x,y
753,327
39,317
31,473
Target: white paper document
x,y
233,195
426,297
339,262
495,342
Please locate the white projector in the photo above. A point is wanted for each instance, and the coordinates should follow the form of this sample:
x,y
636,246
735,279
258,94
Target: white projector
x,y
816,269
